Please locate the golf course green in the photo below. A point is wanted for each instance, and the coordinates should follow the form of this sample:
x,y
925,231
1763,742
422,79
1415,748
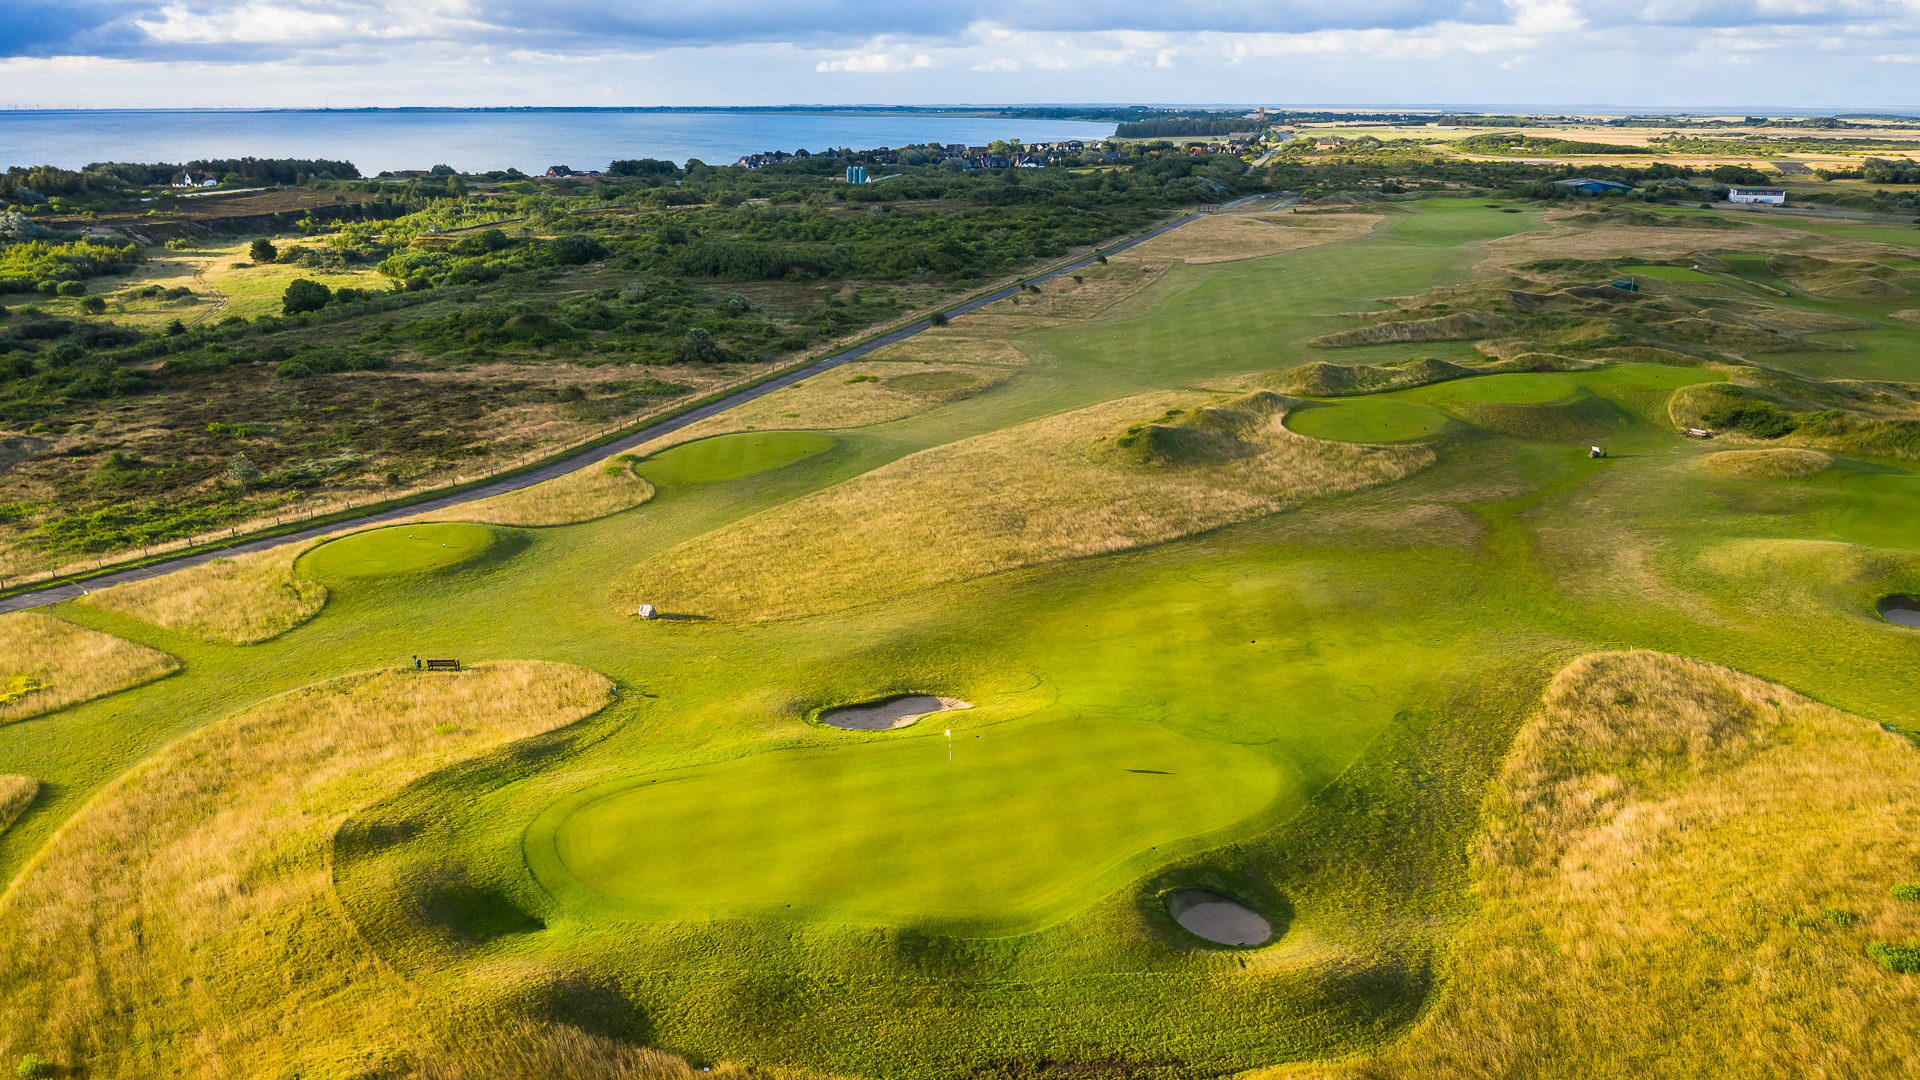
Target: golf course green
x,y
1308,712
401,550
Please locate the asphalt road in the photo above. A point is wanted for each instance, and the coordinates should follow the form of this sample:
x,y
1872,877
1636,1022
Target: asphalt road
x,y
53,594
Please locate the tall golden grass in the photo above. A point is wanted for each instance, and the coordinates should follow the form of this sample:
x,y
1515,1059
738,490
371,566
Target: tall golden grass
x,y
1049,489
852,395
1230,237
183,922
602,488
1681,870
47,664
16,794
239,600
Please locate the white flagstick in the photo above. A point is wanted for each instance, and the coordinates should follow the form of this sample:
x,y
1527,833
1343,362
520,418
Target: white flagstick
x,y
949,746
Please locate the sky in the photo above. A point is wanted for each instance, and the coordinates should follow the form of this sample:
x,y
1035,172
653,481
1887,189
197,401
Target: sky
x,y
1739,54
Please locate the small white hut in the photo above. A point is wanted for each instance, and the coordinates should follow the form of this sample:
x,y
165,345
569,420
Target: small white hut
x,y
647,612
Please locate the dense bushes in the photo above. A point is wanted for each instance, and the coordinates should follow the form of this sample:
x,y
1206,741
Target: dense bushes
x,y
45,265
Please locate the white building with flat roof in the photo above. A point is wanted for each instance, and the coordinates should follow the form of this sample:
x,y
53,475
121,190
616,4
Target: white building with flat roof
x,y
1774,195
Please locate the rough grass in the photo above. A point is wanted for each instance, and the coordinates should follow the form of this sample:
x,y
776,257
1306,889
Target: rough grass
x,y
16,794
1227,237
47,664
239,600
219,950
1911,315
602,488
1778,463
849,396
1061,487
1682,872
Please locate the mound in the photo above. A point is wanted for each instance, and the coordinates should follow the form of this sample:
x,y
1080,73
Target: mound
x,y
1648,791
1460,326
401,550
1839,279
1911,315
16,794
1321,379
1583,417
1774,462
239,600
235,826
602,488
48,664
1049,489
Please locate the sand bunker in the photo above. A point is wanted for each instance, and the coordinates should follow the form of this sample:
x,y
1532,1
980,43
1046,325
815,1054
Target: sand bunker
x,y
889,713
1218,918
1904,610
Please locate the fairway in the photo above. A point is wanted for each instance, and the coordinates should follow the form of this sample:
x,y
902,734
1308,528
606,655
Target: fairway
x,y
1368,419
400,550
1357,635
1020,826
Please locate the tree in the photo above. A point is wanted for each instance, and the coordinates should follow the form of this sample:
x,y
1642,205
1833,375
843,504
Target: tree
x,y
303,295
243,472
699,347
263,251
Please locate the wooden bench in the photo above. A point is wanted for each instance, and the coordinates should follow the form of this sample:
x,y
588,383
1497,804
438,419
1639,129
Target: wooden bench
x,y
443,665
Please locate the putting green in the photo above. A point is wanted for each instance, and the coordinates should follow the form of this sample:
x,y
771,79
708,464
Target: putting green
x,y
402,549
729,457
1668,273
1368,419
1022,825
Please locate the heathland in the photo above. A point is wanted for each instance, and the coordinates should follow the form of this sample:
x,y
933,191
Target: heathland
x,y
1379,580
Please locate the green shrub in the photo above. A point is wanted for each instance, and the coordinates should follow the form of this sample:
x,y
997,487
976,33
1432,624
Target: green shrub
x,y
1902,959
304,295
292,369
73,288
1906,892
32,1067
93,305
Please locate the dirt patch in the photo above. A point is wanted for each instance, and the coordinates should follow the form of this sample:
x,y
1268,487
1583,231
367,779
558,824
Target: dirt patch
x,y
1217,918
889,713
1911,315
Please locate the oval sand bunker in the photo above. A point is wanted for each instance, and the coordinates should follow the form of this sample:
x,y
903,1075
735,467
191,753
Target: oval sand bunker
x,y
1903,610
1218,918
889,714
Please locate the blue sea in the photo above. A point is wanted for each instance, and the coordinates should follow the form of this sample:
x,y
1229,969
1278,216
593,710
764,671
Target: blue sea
x,y
480,140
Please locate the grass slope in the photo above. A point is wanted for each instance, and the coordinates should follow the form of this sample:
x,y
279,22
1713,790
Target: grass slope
x,y
239,599
1101,479
124,966
47,664
1673,850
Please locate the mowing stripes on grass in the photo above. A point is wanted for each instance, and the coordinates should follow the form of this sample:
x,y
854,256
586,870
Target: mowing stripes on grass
x,y
47,664
1674,852
219,950
1117,475
239,600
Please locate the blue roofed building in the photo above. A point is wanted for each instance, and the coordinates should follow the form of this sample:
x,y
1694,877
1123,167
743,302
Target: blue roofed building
x,y
1587,186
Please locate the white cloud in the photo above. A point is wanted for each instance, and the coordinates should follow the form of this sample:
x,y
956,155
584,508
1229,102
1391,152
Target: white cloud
x,y
880,57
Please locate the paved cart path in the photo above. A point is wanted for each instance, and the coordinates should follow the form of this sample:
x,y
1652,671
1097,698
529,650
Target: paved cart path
x,y
53,594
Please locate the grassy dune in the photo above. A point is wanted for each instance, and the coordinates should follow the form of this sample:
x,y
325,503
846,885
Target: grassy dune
x,y
1102,479
1682,870
48,664
16,794
605,487
238,600
219,951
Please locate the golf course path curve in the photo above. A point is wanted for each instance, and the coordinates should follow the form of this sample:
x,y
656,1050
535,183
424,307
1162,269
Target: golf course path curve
x,y
53,594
